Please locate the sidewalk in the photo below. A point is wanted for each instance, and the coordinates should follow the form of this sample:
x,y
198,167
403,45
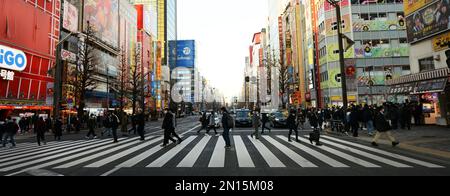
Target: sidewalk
x,y
430,140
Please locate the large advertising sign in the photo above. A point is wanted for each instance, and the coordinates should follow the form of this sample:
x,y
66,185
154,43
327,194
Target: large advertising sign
x,y
103,15
12,59
182,53
441,42
70,18
413,5
431,20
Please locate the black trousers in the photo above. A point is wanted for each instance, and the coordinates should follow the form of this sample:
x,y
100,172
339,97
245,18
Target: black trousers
x,y
211,127
91,132
290,133
40,137
141,132
168,136
114,132
264,126
355,127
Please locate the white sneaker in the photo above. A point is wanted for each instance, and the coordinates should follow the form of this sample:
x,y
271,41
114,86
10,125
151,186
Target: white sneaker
x,y
217,135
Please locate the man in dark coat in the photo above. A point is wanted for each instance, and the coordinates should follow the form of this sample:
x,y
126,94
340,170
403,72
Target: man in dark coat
x,y
92,124
204,122
114,125
39,128
383,127
226,127
140,121
168,125
292,125
264,120
11,130
58,129
406,116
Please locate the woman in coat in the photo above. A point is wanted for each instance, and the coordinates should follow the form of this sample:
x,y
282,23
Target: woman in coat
x,y
382,126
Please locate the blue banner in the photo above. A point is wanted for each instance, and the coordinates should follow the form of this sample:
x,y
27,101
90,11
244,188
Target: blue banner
x,y
182,53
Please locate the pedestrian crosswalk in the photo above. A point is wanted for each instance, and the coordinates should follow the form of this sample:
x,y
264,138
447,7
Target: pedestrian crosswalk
x,y
271,151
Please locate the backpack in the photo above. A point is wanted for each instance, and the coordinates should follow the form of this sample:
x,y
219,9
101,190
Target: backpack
x,y
230,121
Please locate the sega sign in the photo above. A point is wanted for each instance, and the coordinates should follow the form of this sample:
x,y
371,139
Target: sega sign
x,y
12,59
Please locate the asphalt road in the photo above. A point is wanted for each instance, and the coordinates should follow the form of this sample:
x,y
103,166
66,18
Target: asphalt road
x,y
201,155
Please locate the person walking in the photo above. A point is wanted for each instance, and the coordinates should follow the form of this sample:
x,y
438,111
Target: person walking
x,y
292,125
172,131
92,124
11,130
227,125
264,120
204,122
383,127
354,121
168,125
114,125
406,116
58,129
140,121
39,129
106,124
48,124
212,123
368,120
256,123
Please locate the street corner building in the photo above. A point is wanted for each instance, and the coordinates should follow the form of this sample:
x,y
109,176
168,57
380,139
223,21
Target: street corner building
x,y
427,84
29,33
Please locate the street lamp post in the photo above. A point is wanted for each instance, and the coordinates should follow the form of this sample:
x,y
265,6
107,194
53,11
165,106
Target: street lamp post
x,y
335,3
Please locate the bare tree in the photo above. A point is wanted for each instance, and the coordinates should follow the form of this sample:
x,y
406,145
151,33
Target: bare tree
x,y
283,77
123,79
85,69
137,82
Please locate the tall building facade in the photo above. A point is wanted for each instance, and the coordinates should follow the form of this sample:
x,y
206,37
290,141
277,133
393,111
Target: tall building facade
x,y
381,51
28,50
428,34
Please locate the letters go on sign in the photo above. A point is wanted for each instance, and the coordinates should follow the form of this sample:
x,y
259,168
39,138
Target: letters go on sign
x,y
12,59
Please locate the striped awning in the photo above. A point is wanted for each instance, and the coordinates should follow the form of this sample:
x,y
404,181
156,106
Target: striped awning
x,y
429,75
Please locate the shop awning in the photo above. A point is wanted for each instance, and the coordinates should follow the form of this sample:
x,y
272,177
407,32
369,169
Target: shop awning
x,y
431,86
402,88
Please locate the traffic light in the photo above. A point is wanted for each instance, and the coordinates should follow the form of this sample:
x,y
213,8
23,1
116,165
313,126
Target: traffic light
x,y
447,54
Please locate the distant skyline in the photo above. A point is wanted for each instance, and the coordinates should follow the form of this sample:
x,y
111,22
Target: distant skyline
x,y
223,30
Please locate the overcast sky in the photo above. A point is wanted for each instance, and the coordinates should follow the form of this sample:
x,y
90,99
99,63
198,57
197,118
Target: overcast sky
x,y
223,30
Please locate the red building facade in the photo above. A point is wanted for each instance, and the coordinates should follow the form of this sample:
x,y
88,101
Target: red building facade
x,y
30,26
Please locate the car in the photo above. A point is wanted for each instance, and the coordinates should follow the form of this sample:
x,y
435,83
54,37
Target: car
x,y
217,120
278,119
243,118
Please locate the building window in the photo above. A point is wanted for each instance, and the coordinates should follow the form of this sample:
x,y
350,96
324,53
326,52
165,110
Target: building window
x,y
426,64
403,41
365,16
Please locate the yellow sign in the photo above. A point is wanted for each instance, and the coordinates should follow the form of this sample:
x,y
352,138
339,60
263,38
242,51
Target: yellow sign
x,y
351,98
441,42
413,5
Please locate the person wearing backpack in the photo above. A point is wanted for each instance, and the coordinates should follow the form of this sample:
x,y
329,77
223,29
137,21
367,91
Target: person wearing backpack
x,y
227,123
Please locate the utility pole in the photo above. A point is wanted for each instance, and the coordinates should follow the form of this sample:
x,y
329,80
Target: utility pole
x,y
335,3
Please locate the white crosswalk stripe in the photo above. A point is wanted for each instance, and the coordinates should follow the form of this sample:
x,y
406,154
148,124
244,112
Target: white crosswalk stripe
x,y
273,151
161,161
31,156
122,154
218,156
400,157
17,151
318,155
192,157
268,156
85,159
243,156
368,155
344,155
